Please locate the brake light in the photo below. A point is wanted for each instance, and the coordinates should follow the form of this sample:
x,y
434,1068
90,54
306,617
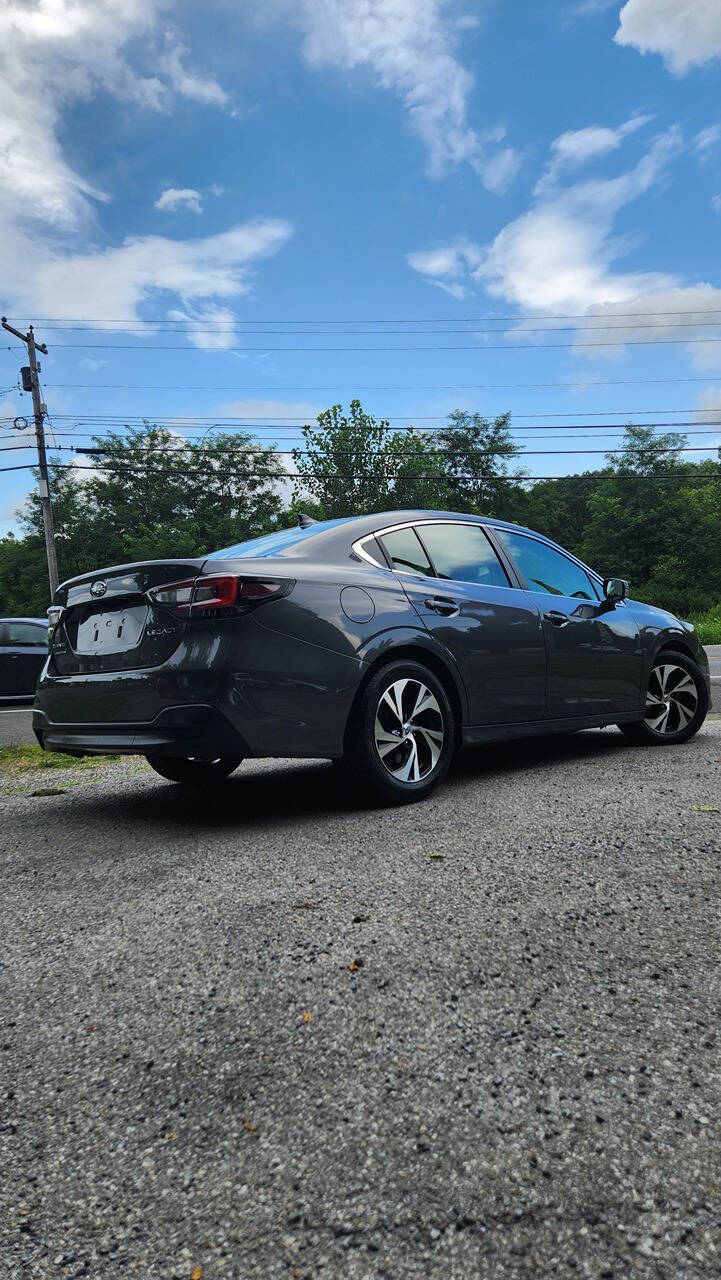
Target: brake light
x,y
222,595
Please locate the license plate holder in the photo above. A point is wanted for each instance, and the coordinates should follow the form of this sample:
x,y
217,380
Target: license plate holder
x,y
114,631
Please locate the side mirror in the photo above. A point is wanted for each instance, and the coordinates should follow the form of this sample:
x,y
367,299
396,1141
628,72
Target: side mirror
x,y
615,588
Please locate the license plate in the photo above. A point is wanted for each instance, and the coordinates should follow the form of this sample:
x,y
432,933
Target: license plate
x,y
112,632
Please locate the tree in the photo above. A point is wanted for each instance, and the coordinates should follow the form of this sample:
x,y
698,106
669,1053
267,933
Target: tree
x,y
344,465
475,455
157,495
559,508
355,464
636,508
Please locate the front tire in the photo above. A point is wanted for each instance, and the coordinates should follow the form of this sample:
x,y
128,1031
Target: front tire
x,y
676,702
194,773
402,737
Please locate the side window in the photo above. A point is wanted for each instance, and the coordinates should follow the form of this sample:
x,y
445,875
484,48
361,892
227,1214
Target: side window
x,y
462,551
25,633
405,552
545,569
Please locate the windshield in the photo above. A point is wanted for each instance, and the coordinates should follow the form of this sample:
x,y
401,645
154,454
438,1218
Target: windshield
x,y
275,544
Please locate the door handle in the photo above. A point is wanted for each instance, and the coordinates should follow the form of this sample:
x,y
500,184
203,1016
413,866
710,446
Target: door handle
x,y
556,617
438,604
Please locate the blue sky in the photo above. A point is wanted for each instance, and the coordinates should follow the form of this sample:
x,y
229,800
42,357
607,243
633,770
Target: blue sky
x,y
447,168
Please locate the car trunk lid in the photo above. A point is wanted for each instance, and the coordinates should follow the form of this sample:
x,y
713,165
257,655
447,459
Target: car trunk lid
x,y
109,623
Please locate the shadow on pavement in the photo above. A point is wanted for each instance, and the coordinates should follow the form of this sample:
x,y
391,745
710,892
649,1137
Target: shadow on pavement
x,y
284,791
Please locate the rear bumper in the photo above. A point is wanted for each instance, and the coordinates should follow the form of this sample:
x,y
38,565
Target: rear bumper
x,y
248,690
197,730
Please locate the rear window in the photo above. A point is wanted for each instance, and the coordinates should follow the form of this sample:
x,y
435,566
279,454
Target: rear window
x,y
275,544
405,552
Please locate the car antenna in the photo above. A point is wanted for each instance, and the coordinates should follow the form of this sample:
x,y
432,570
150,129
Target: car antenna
x,y
304,521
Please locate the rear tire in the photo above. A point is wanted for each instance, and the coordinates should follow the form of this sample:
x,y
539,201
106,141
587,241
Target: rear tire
x,y
194,773
676,702
402,736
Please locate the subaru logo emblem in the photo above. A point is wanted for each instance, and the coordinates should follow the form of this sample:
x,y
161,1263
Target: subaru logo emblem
x,y
98,588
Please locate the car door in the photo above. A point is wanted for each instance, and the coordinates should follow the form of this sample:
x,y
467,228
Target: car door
x,y
457,583
24,654
593,644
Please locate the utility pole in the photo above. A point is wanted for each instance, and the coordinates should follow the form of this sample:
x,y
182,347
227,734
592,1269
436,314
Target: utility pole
x,y
39,411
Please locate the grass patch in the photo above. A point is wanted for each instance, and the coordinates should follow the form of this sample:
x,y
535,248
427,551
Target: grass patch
x,y
708,625
28,759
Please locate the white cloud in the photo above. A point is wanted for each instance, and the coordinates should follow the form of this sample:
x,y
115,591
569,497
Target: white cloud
x,y
56,52
559,259
716,202
706,139
682,311
44,279
91,365
188,83
500,170
557,256
578,145
709,406
409,46
685,33
174,198
449,266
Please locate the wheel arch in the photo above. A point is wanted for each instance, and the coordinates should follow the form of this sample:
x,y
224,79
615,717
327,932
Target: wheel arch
x,y
427,656
675,644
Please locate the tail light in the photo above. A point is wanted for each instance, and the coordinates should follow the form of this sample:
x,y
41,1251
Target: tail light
x,y
55,613
219,596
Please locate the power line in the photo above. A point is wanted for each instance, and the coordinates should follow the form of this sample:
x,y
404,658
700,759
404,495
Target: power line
x,y
385,417
168,424
284,475
237,327
545,436
349,453
585,315
477,347
432,452
473,386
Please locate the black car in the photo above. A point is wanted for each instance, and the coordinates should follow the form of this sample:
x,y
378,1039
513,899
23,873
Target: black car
x,y
23,651
384,642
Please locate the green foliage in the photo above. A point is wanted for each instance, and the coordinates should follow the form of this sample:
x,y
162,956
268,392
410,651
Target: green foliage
x,y
708,625
354,464
474,458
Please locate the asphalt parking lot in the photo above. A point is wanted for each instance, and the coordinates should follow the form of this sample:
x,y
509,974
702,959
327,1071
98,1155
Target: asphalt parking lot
x,y
264,1032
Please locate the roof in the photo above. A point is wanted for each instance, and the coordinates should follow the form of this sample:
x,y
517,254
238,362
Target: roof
x,y
42,621
378,518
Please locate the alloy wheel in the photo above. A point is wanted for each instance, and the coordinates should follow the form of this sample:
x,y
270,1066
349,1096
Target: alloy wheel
x,y
409,730
671,700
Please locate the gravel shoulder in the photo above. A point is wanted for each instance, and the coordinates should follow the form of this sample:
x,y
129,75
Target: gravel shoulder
x,y
267,1033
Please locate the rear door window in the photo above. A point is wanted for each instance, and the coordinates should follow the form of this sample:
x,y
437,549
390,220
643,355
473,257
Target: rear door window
x,y
405,552
463,552
25,633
